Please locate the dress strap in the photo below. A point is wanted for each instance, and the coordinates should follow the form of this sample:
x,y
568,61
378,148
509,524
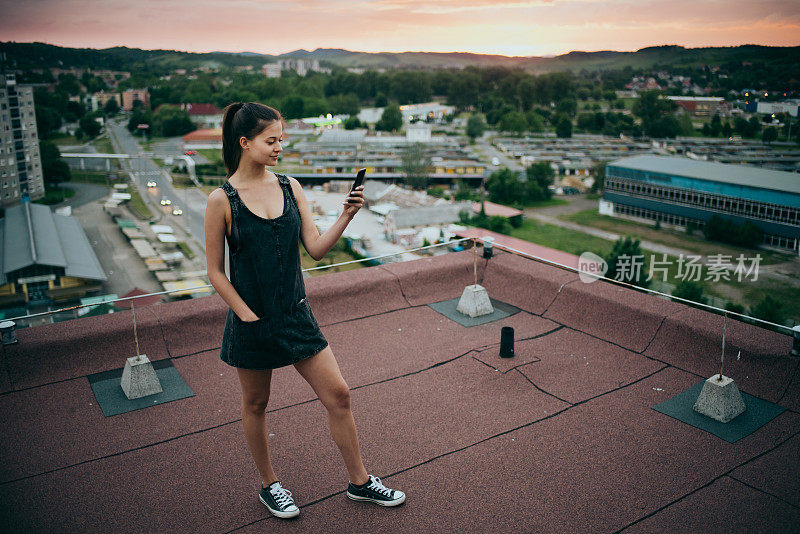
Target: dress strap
x,y
233,201
284,181
228,188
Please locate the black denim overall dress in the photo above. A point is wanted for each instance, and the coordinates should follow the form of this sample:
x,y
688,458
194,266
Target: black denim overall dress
x,y
264,266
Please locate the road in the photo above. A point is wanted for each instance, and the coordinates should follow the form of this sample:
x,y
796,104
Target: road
x,y
191,200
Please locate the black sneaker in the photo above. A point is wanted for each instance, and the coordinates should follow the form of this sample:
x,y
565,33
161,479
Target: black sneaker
x,y
279,501
376,492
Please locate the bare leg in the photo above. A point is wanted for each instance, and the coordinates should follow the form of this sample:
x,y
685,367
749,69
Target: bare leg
x,y
255,395
322,372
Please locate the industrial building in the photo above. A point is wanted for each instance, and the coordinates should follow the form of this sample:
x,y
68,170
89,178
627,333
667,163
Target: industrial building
x,y
45,257
20,163
676,191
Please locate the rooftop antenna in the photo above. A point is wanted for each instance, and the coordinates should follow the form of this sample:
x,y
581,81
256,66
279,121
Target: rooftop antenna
x,y
474,300
139,377
720,399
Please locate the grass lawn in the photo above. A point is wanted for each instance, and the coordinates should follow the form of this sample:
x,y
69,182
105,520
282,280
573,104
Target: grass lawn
x,y
695,243
64,140
185,249
137,205
211,154
547,203
55,195
94,177
103,145
334,256
746,292
560,238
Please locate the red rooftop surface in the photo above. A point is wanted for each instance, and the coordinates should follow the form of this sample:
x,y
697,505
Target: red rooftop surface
x,y
561,438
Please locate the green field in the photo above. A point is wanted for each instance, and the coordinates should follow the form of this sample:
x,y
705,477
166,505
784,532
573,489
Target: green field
x,y
137,205
211,154
94,177
746,292
55,195
334,256
695,243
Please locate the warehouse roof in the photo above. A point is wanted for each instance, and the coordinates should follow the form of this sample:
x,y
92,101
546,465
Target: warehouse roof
x,y
742,175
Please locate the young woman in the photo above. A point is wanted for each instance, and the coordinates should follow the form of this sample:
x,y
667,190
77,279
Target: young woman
x,y
263,215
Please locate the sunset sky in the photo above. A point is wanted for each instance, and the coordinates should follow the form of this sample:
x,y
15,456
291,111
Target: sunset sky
x,y
540,27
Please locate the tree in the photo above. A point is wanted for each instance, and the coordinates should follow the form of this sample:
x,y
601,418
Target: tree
x,y
415,166
769,309
344,104
686,289
137,118
381,100
715,128
599,173
686,126
352,123
540,177
564,128
513,121
391,119
48,120
89,126
171,121
626,262
293,107
770,134
476,125
504,186
535,121
54,169
111,106
726,231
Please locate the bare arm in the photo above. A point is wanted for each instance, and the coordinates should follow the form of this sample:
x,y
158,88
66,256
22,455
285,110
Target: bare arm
x,y
217,215
319,245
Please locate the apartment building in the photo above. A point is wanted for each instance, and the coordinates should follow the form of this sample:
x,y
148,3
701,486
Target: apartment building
x,y
20,164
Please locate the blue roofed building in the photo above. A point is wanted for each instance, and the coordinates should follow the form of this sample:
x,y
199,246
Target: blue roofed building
x,y
677,191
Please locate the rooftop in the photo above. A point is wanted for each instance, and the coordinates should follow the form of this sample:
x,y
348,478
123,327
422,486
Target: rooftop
x,y
744,175
560,438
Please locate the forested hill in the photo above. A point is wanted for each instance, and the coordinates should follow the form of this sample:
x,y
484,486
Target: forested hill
x,y
36,55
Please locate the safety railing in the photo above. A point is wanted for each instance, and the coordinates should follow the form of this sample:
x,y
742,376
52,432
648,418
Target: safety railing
x,y
487,242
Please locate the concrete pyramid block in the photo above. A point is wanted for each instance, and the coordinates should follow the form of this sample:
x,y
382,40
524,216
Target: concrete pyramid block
x,y
720,399
139,378
475,301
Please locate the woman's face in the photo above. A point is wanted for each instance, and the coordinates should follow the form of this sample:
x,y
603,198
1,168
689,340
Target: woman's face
x,y
265,147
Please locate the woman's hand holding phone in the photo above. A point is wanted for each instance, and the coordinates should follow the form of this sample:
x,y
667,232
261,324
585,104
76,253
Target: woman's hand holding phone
x,y
355,198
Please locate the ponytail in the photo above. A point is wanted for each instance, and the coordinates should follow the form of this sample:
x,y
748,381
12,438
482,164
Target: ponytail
x,y
243,120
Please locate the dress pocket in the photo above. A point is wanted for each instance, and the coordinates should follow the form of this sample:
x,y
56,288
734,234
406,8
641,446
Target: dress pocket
x,y
252,335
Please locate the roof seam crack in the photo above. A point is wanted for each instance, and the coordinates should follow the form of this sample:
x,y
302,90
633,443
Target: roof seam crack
x,y
118,453
161,327
789,382
645,377
654,335
399,283
765,492
726,473
531,382
556,296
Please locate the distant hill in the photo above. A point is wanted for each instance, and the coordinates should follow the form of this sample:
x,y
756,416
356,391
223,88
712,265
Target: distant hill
x,y
36,55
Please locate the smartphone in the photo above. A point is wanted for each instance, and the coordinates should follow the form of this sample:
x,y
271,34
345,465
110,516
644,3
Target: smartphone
x,y
359,178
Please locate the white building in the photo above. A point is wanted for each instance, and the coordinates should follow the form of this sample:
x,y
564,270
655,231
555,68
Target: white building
x,y
20,164
271,70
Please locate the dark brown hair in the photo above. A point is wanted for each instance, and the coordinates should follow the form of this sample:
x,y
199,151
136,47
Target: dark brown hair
x,y
243,120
